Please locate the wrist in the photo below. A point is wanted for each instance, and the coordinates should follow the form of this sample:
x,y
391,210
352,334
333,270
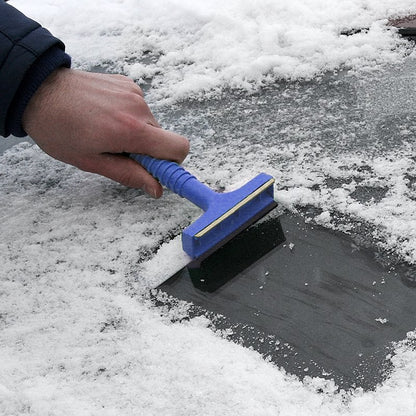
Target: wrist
x,y
40,71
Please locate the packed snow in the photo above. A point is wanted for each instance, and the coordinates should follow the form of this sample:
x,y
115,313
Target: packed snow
x,y
79,253
193,47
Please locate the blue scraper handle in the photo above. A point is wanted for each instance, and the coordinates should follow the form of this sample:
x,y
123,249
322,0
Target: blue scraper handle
x,y
177,179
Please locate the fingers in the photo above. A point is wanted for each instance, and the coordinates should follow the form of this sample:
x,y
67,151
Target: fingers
x,y
124,170
142,133
158,143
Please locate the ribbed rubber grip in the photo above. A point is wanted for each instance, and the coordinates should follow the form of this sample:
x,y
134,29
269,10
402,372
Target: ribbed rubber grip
x,y
169,174
177,179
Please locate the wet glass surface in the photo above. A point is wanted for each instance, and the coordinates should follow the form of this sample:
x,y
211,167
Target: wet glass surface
x,y
316,304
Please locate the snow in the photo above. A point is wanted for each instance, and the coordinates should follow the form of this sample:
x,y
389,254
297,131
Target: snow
x,y
394,214
197,46
79,254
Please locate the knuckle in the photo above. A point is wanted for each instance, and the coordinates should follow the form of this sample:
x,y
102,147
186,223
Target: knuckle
x,y
138,128
135,88
131,86
139,90
129,124
142,105
128,177
135,103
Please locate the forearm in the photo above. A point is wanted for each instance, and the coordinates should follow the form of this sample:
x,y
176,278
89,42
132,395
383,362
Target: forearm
x,y
28,54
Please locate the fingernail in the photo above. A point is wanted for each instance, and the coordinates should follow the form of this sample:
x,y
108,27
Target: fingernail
x,y
150,191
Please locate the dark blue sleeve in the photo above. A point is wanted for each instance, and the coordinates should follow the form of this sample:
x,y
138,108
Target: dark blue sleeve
x,y
28,54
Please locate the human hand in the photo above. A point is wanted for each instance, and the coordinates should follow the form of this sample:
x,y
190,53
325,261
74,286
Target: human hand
x,y
92,120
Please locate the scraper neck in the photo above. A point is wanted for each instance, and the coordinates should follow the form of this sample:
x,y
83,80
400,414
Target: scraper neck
x,y
178,180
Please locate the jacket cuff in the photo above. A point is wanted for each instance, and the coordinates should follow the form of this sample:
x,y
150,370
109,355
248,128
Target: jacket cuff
x,y
51,60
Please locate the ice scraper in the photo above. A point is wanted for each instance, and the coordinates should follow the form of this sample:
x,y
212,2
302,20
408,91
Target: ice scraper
x,y
225,214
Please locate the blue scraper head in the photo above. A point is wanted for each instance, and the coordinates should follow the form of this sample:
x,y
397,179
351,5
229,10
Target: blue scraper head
x,y
227,215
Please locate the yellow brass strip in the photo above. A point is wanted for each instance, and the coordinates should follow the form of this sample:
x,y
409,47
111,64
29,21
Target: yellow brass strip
x,y
236,207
